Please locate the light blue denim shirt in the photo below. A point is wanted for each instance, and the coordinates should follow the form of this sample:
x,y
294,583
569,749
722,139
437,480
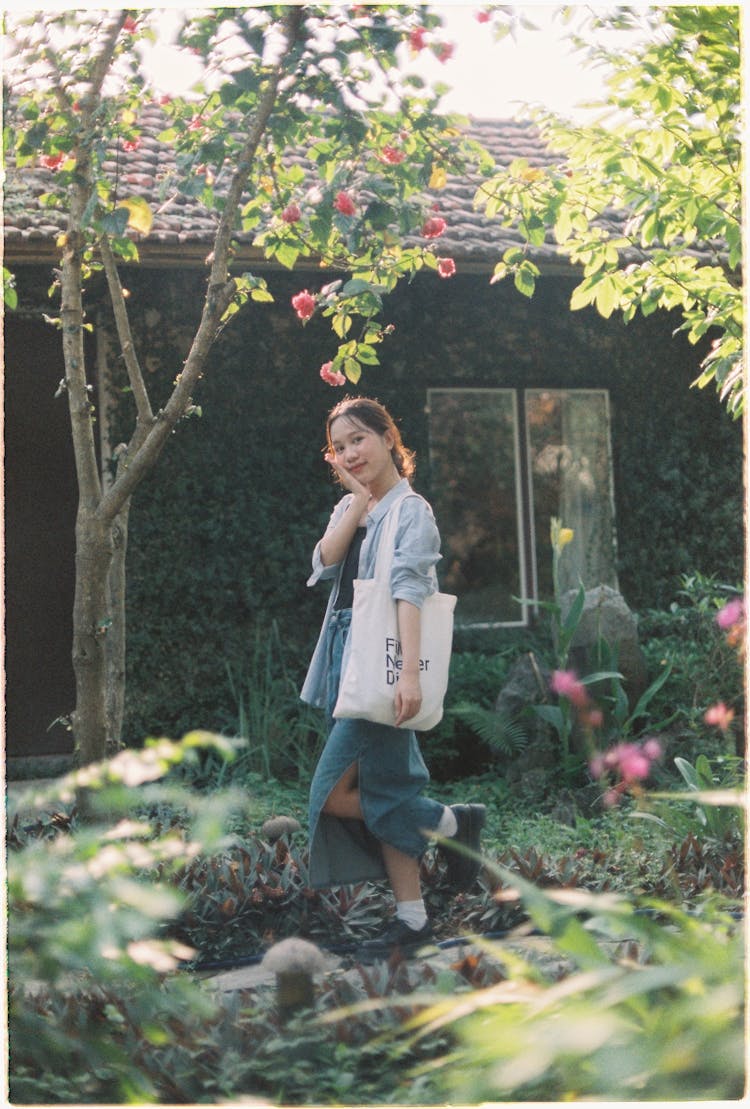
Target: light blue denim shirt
x,y
413,577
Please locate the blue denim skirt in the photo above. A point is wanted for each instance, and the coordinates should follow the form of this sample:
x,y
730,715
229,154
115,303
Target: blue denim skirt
x,y
392,775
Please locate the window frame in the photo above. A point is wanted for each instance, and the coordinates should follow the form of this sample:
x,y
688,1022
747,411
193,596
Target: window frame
x,y
524,488
519,450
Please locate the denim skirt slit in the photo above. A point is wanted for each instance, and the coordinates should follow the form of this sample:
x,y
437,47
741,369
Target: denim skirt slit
x,y
391,777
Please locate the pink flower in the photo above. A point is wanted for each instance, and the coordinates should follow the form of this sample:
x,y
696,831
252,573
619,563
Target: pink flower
x,y
611,798
597,767
304,305
52,161
165,98
291,213
719,716
731,614
417,39
196,123
652,749
391,156
592,718
482,17
130,25
634,765
434,227
446,52
566,684
344,204
446,267
331,377
131,144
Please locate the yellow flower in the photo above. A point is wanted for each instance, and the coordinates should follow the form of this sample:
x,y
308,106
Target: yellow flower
x,y
559,536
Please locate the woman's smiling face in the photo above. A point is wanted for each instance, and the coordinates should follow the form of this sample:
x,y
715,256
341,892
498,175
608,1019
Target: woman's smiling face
x,y
362,452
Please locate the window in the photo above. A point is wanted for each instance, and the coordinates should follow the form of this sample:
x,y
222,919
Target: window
x,y
505,461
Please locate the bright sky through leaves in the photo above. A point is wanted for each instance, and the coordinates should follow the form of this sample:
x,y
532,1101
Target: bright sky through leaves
x,y
488,79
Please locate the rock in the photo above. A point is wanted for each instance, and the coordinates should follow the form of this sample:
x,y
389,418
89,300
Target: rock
x,y
606,616
527,684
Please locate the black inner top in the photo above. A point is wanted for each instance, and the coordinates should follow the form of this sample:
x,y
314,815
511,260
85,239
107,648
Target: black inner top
x,y
345,595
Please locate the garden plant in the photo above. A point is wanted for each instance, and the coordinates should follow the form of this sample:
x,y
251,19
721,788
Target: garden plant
x,y
131,880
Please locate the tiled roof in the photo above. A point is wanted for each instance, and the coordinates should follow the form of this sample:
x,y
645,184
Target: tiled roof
x,y
183,228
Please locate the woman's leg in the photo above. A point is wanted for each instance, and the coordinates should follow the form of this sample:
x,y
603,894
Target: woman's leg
x,y
403,874
343,800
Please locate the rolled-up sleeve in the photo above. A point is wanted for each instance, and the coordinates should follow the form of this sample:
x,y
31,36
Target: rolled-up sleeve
x,y
417,550
319,571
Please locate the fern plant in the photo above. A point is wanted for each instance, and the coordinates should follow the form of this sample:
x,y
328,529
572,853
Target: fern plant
x,y
494,729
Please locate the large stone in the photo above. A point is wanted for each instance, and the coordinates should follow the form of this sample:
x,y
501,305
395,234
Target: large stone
x,y
606,616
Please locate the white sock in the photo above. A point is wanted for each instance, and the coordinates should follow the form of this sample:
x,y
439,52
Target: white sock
x,y
413,913
448,825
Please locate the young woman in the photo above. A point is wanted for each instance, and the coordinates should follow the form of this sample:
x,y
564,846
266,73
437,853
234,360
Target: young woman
x,y
368,817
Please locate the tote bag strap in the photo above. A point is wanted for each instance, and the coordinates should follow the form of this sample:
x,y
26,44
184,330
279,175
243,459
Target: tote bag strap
x,y
386,548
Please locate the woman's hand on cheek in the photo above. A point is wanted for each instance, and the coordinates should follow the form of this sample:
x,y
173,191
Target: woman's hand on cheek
x,y
408,699
347,480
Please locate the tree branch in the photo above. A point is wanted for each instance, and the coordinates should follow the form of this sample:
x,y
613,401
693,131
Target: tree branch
x,y
221,289
124,334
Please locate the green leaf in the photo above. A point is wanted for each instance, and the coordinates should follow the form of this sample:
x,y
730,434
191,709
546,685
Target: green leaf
x,y
352,369
287,254
524,281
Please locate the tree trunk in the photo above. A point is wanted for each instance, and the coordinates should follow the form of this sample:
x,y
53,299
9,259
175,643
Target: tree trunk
x,y
115,639
91,623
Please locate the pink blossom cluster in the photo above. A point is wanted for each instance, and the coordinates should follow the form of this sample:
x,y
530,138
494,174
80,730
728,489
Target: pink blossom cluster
x,y
434,227
392,156
344,204
719,716
732,620
304,305
418,40
331,376
630,762
566,683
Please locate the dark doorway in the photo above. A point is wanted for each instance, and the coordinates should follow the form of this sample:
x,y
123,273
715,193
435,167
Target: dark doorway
x,y
40,510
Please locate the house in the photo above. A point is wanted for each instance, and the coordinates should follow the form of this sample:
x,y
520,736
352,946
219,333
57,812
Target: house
x,y
519,411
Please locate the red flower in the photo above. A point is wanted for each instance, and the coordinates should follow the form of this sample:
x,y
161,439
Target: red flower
x,y
131,144
434,227
391,156
164,99
291,213
52,161
417,39
446,52
196,123
483,17
446,267
304,305
344,204
328,375
130,24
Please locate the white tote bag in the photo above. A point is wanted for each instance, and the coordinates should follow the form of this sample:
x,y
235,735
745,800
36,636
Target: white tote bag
x,y
368,683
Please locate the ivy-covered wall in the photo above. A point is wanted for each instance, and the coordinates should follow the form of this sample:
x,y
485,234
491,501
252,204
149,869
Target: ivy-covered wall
x,y
221,533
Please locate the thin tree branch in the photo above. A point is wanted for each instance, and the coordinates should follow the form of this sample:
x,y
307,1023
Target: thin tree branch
x,y
124,334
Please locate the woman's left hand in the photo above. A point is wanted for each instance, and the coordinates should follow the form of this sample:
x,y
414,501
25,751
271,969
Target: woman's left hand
x,y
408,700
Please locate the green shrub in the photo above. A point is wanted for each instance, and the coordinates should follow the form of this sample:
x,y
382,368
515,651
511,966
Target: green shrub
x,y
90,969
704,669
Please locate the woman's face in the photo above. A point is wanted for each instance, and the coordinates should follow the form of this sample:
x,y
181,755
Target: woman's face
x,y
364,453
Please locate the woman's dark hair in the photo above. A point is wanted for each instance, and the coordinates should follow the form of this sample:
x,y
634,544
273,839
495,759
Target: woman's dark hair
x,y
373,415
